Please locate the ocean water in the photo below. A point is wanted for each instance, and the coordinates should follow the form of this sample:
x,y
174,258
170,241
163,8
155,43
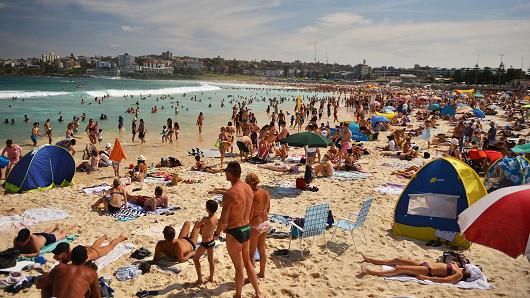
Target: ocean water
x,y
44,98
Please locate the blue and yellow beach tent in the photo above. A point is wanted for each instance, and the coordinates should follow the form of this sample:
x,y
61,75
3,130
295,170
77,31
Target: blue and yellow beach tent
x,y
433,199
41,169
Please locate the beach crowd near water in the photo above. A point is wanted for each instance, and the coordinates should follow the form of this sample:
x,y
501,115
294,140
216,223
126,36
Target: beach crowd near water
x,y
230,191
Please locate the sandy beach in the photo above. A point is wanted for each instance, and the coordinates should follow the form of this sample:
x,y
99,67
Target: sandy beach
x,y
331,272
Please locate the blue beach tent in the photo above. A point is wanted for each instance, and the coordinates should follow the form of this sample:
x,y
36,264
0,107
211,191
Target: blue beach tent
x,y
430,204
448,110
41,169
507,171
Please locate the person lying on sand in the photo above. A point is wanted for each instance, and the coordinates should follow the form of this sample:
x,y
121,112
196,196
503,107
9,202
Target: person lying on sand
x,y
76,280
436,272
182,248
278,167
63,254
160,200
31,244
114,199
407,173
203,167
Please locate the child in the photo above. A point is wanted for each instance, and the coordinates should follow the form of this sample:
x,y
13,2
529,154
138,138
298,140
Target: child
x,y
164,134
100,136
207,226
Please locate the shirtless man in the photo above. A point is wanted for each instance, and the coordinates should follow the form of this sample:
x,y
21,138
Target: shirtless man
x,y
95,251
235,220
160,200
31,244
206,227
182,248
243,142
203,167
71,281
324,168
283,134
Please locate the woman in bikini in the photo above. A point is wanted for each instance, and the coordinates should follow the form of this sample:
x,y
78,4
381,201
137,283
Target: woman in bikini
x,y
170,130
259,222
224,143
436,272
114,199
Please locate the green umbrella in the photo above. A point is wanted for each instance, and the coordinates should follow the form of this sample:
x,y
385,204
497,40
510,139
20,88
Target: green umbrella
x,y
524,148
526,106
307,139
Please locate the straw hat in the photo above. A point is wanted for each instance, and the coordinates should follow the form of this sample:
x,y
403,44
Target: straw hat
x,y
454,141
141,158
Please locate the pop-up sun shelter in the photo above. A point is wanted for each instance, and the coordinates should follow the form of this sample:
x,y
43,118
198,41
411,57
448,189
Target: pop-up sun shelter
x,y
43,168
507,171
429,206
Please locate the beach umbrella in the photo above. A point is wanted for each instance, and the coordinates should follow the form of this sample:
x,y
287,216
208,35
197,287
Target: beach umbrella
x,y
500,221
117,153
376,119
448,110
493,155
307,138
479,113
434,107
522,149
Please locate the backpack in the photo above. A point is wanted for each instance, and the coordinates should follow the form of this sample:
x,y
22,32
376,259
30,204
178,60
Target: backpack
x,y
300,183
8,258
452,256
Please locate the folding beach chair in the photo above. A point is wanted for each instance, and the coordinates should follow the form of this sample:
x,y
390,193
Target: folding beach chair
x,y
347,224
315,222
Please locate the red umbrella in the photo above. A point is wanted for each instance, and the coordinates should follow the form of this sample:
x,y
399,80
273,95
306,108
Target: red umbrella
x,y
500,220
493,155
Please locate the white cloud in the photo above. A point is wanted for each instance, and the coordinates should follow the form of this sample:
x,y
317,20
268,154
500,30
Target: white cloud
x,y
128,28
3,5
343,19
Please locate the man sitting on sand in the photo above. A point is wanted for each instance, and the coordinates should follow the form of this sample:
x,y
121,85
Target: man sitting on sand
x,y
95,251
160,200
203,167
324,168
181,248
76,280
244,144
31,244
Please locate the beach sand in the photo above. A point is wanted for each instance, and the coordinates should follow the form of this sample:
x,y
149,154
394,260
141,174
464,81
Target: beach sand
x,y
322,273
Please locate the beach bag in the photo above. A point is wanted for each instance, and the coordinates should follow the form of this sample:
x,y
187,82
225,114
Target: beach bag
x,y
300,183
218,144
295,233
3,162
451,256
8,258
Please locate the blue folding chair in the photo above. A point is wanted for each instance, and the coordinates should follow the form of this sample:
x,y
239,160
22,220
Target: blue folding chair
x,y
348,225
315,222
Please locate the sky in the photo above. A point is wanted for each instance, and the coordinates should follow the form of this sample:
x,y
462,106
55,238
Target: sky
x,y
400,33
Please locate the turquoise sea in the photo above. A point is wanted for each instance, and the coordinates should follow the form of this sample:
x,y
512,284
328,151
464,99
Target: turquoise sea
x,y
44,98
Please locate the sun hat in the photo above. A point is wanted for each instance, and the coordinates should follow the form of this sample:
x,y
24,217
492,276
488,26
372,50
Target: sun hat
x,y
141,158
108,146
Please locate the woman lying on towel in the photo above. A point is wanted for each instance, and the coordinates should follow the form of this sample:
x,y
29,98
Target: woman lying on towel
x,y
436,272
284,168
149,203
407,173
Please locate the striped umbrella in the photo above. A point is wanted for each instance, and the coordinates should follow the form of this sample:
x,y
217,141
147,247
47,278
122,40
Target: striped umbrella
x,y
500,220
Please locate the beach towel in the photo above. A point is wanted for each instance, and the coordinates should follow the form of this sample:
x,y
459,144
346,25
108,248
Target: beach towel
x,y
48,248
390,188
479,284
284,189
349,176
211,153
293,158
154,180
118,251
45,214
157,211
18,267
281,219
218,199
96,189
15,222
170,264
127,214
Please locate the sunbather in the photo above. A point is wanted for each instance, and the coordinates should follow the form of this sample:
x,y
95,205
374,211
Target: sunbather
x,y
31,244
63,254
324,168
182,248
278,167
407,173
437,272
149,203
201,166
114,199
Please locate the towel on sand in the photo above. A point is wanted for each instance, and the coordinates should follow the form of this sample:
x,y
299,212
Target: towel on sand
x,y
18,267
390,188
170,264
348,176
118,251
480,284
283,189
49,248
129,213
96,189
158,210
281,219
45,214
154,180
14,222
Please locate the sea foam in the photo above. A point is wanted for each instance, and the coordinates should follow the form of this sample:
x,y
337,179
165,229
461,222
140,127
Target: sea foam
x,y
145,92
26,94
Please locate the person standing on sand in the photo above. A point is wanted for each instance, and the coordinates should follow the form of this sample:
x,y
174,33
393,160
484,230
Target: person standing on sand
x,y
35,132
48,130
235,221
207,227
76,280
259,222
200,122
13,154
133,129
142,131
